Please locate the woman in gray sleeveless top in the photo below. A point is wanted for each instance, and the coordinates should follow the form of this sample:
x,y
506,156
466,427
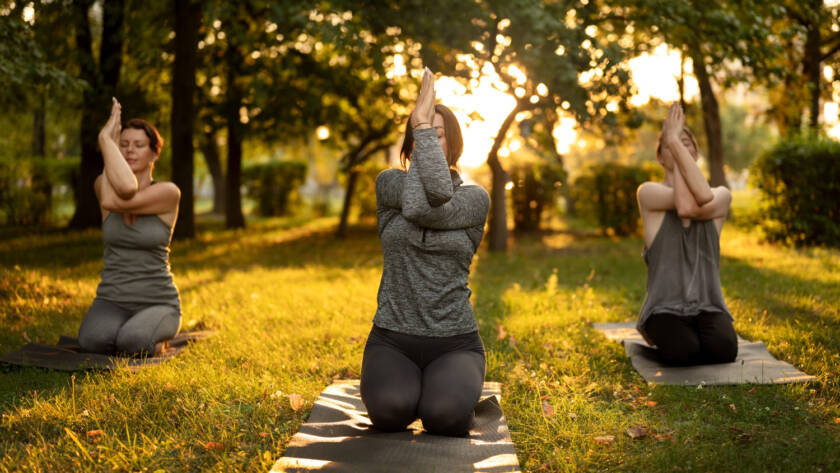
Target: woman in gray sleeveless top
x,y
424,357
684,313
136,305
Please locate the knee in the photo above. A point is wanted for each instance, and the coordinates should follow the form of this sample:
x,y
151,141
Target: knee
x,y
685,353
92,341
390,411
722,351
134,344
447,417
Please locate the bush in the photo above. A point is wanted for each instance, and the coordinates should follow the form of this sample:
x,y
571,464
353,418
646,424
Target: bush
x,y
24,200
535,188
274,185
799,182
606,193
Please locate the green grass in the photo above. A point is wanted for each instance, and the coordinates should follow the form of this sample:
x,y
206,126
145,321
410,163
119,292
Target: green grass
x,y
291,307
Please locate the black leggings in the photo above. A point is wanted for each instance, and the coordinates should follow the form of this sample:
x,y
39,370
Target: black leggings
x,y
706,338
438,379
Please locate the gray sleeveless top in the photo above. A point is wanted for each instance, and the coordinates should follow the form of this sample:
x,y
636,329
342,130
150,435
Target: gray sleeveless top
x,y
136,258
683,270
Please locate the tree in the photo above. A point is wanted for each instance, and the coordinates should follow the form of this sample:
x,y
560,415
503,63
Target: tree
x,y
187,18
101,78
727,42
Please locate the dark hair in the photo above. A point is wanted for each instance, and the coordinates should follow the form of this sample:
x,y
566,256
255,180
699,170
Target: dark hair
x,y
695,152
155,141
452,131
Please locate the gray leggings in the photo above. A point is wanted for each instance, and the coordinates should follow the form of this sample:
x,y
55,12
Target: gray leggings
x,y
110,328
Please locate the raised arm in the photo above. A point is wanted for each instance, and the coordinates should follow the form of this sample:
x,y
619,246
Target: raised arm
x,y
120,177
159,199
467,208
671,138
427,154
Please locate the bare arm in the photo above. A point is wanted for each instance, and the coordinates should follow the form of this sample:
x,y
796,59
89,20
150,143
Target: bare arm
x,y
694,179
159,199
120,176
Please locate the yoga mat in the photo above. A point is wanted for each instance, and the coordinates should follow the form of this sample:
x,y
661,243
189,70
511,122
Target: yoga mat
x,y
65,355
754,363
337,438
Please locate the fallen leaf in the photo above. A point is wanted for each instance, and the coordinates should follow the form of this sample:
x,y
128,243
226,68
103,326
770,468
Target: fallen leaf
x,y
502,333
548,409
211,445
295,401
264,434
650,403
837,420
753,390
572,415
604,439
169,386
636,432
732,406
511,341
94,435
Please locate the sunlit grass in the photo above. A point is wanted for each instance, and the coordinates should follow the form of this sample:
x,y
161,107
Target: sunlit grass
x,y
291,307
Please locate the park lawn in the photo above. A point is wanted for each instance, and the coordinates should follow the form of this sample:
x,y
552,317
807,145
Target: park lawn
x,y
291,307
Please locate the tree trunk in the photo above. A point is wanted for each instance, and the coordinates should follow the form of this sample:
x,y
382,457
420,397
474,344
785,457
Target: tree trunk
x,y
40,176
101,86
352,178
812,70
211,156
233,205
497,233
187,18
711,120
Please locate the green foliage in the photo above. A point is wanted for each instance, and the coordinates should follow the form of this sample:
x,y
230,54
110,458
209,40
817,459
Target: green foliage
x,y
799,180
21,201
606,193
744,138
535,189
274,185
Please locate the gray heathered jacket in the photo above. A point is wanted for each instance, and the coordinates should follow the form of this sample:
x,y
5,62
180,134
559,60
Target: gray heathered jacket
x,y
430,227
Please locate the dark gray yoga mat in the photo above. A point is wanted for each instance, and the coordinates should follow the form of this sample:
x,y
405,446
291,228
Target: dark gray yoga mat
x,y
337,438
754,363
65,355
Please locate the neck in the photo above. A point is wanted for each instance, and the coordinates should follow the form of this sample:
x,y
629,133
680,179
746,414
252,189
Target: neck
x,y
144,178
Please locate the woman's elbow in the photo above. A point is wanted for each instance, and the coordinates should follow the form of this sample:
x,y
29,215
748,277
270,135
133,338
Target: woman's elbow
x,y
705,198
126,192
687,211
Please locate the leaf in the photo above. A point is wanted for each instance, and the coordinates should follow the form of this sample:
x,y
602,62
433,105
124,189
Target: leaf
x,y
94,435
837,420
264,434
650,403
604,439
753,390
211,445
501,333
636,432
732,406
295,401
548,409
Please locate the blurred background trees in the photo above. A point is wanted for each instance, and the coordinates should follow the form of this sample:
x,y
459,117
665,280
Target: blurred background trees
x,y
560,101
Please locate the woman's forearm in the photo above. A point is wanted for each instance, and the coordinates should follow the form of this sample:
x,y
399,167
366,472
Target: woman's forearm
x,y
691,174
119,173
684,200
430,164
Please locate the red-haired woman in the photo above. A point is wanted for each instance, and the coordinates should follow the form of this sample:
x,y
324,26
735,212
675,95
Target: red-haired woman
x,y
136,305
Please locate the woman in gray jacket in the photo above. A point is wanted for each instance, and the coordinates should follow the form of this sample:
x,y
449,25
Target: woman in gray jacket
x,y
424,357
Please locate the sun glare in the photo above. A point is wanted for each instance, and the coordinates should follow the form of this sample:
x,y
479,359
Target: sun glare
x,y
482,106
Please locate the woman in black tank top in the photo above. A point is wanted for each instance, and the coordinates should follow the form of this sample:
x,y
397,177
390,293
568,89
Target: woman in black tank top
x,y
684,313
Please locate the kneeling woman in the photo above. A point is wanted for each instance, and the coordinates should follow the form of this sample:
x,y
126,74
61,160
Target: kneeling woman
x,y
136,305
424,357
684,313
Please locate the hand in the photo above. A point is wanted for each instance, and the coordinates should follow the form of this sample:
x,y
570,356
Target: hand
x,y
113,127
424,111
674,122
129,219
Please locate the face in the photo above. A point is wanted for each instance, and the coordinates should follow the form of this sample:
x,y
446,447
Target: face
x,y
134,145
665,155
437,123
